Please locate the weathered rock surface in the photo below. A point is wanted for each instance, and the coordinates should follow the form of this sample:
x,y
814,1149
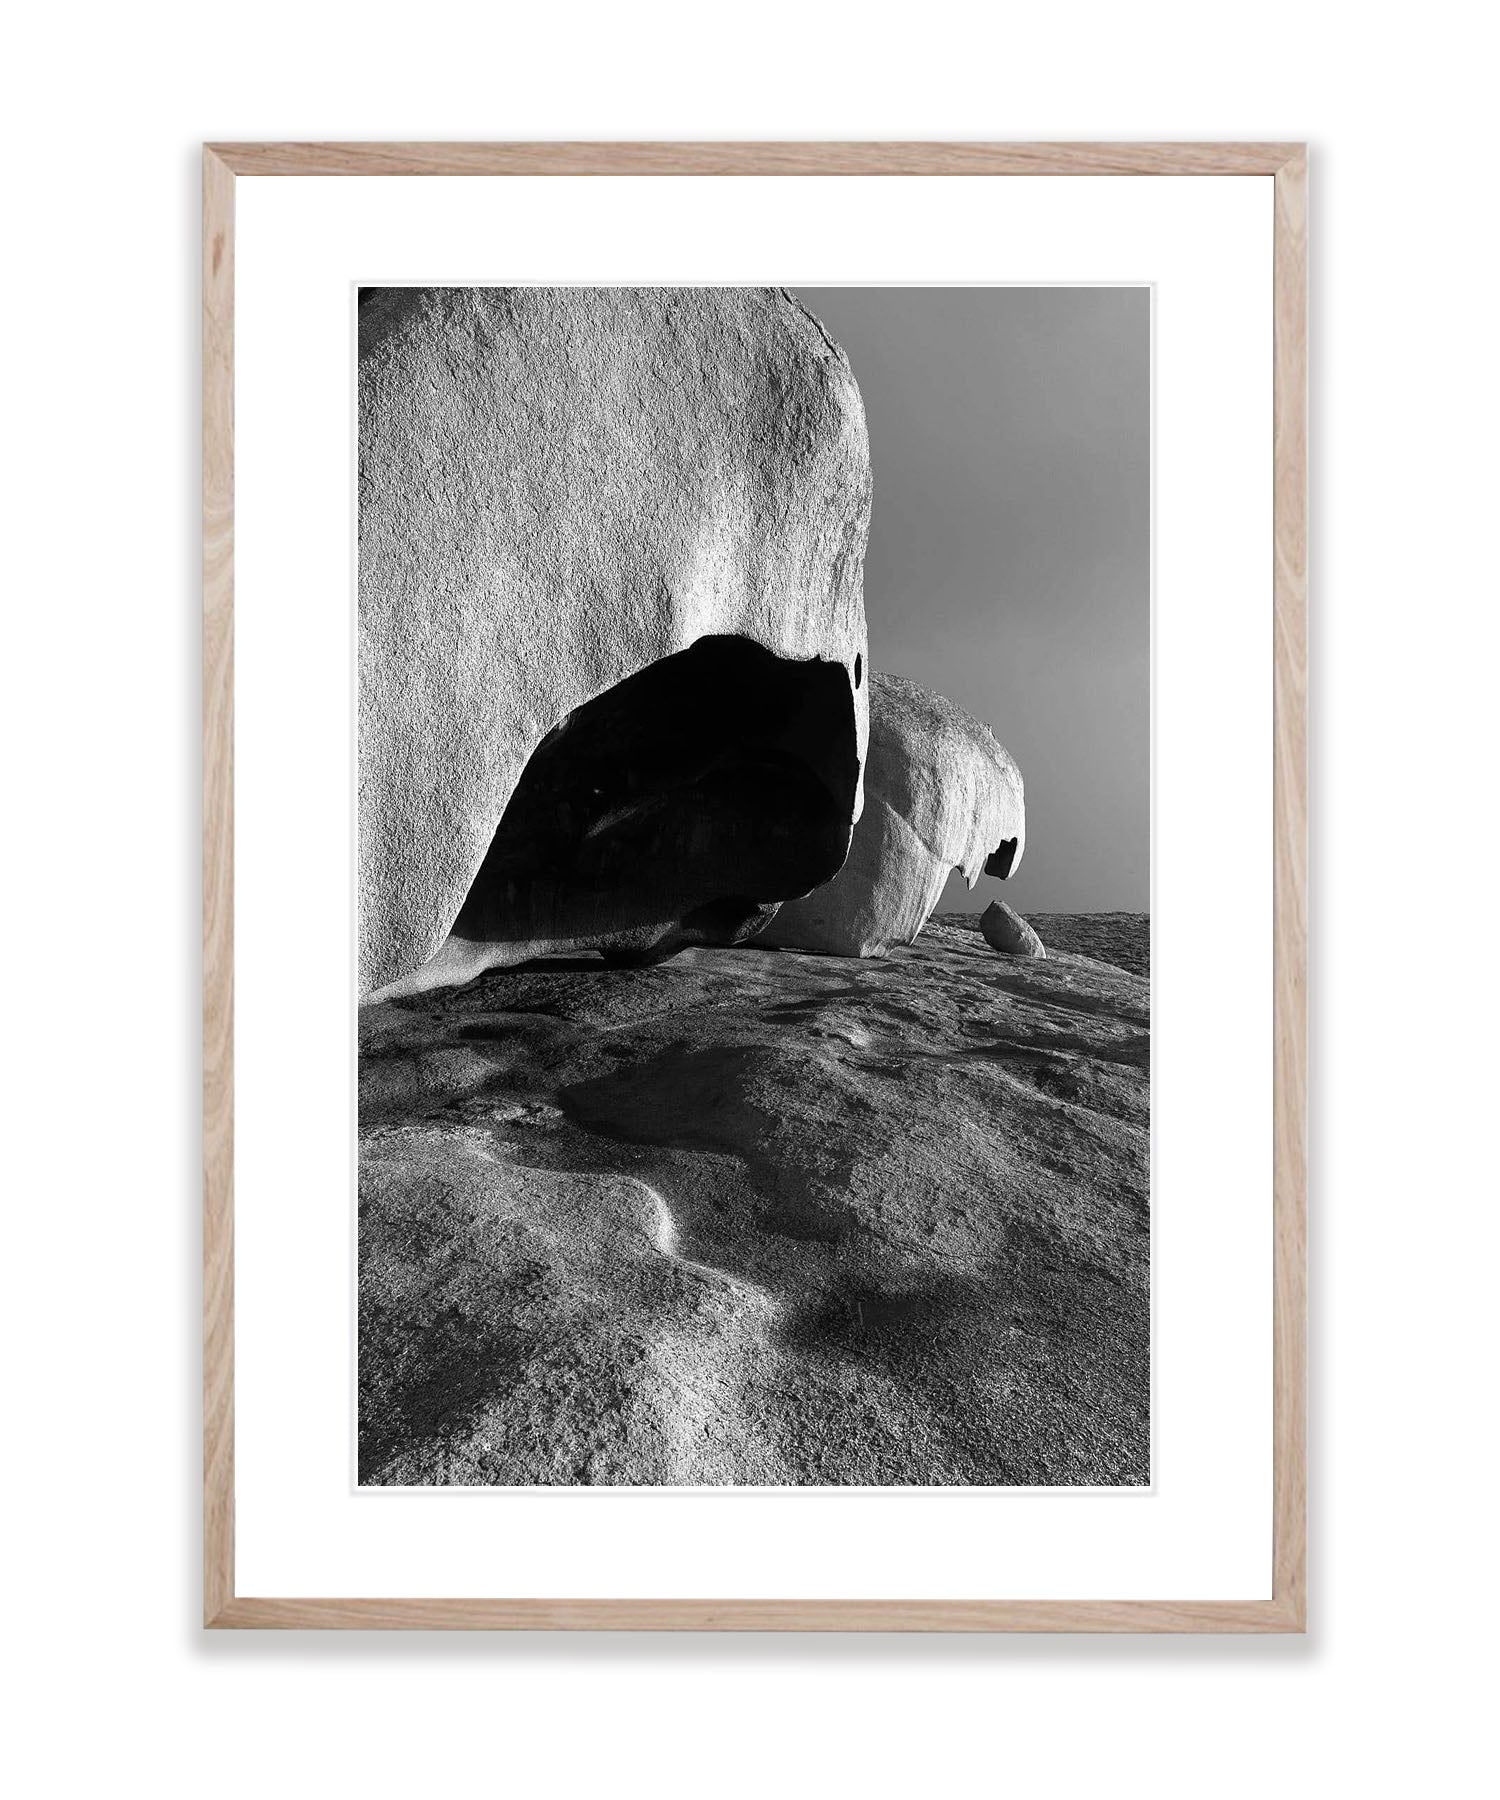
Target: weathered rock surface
x,y
941,793
1121,938
759,1218
564,493
1004,929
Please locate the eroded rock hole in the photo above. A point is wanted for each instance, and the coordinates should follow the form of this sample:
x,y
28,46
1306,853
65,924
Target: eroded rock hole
x,y
1001,858
679,807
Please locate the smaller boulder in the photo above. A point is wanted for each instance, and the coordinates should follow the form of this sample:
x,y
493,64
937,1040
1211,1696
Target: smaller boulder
x,y
941,795
1004,927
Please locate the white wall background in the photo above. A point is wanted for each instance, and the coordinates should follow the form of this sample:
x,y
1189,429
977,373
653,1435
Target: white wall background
x,y
112,1683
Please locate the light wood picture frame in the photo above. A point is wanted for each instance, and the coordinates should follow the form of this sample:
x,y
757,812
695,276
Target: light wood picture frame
x,y
1286,163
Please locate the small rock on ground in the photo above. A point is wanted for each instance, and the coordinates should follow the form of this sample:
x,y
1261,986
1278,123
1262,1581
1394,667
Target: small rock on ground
x,y
1006,930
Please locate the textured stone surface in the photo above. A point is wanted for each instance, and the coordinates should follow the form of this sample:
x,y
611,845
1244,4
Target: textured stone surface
x,y
1113,937
941,793
756,1217
560,488
1004,929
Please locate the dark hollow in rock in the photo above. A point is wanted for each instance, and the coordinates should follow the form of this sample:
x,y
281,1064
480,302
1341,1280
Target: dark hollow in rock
x,y
678,807
1003,859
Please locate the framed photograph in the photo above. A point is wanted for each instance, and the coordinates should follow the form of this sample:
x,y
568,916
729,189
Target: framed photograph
x,y
755,886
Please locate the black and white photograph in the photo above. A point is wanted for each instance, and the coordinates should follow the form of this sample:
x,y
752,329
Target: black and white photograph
x,y
754,886
743,1119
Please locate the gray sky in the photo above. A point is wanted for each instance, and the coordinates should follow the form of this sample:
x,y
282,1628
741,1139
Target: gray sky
x,y
1009,558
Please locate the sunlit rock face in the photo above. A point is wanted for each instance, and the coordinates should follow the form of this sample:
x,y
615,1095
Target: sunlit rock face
x,y
941,793
611,633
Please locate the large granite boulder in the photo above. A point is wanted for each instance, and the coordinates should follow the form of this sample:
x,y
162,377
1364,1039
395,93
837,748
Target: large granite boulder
x,y
941,793
611,627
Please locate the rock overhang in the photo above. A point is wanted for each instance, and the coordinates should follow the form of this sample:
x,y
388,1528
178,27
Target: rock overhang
x,y
561,488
